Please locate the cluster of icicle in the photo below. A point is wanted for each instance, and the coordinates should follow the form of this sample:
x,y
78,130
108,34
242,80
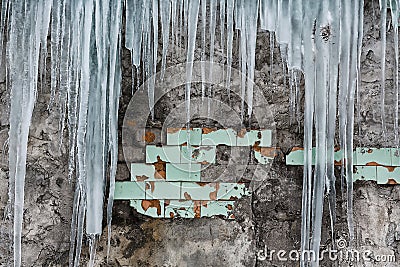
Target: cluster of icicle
x,y
320,38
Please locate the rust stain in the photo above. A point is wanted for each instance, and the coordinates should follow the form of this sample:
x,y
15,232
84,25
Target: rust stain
x,y
160,175
149,137
174,130
369,151
171,214
150,185
338,162
166,202
187,196
146,204
197,208
229,207
390,168
256,146
160,169
141,178
213,195
204,162
373,163
232,216
242,133
233,198
208,130
336,149
297,148
270,152
391,181
202,183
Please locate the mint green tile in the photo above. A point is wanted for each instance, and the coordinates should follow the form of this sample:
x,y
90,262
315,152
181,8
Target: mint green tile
x,y
364,173
163,190
262,159
199,191
232,191
395,156
152,208
218,208
388,175
264,137
144,172
165,153
129,190
179,136
375,156
296,157
179,209
220,137
200,154
183,172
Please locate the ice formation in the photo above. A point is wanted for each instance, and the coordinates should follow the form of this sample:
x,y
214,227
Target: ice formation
x,y
321,39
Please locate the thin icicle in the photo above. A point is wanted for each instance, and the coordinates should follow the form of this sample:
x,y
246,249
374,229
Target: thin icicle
x,y
229,43
383,9
394,8
165,14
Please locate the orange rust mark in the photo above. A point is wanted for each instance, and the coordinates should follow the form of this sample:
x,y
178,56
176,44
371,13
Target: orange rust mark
x,y
369,151
208,130
233,198
182,208
257,147
390,168
160,175
204,162
270,152
391,181
166,202
229,206
232,216
146,204
336,149
141,178
150,185
197,208
297,148
171,214
187,196
373,163
242,133
213,195
202,183
174,130
149,137
160,169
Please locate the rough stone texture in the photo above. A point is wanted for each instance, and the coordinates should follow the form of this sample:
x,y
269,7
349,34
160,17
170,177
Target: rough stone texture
x,y
270,218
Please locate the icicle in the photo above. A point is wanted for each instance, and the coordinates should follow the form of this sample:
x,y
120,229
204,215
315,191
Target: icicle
x,y
394,8
222,14
55,48
192,29
213,19
383,10
165,14
229,43
203,46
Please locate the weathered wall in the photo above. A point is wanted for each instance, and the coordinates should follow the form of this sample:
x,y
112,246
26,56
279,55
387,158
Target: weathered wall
x,y
270,218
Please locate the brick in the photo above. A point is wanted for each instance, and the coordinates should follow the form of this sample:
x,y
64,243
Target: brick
x,y
218,208
373,156
145,172
180,209
200,154
263,137
232,191
179,136
164,153
183,172
129,190
153,208
219,137
163,190
364,173
240,155
199,191
227,173
388,175
151,136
